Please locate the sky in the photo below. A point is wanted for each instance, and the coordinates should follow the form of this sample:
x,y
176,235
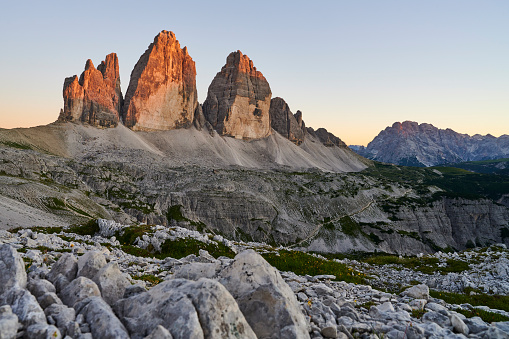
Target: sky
x,y
353,67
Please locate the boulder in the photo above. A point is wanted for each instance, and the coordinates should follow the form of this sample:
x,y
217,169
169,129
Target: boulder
x,y
24,305
162,91
196,270
101,318
8,323
111,282
12,269
188,309
265,299
458,325
38,287
90,264
95,98
79,289
62,315
238,100
418,292
284,122
48,298
67,265
42,331
159,333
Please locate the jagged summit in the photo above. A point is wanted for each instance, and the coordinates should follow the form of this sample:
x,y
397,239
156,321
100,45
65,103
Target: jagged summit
x,y
414,144
95,98
238,100
162,90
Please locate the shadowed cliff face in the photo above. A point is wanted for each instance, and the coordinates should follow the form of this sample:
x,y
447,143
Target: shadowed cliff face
x,y
285,123
238,100
95,98
162,91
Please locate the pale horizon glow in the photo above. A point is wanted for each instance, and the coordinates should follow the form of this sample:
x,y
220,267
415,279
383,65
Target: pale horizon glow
x,y
352,67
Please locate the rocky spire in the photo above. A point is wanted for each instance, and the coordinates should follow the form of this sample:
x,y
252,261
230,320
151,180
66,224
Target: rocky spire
x,y
162,90
284,122
238,100
95,98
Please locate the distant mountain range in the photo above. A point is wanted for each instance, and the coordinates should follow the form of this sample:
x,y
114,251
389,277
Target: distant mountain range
x,y
423,145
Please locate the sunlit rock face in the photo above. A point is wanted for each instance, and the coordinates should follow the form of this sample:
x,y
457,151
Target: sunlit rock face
x,y
285,123
95,98
238,100
162,90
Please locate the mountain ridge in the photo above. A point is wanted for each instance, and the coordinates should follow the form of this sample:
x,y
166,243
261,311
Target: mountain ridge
x,y
423,145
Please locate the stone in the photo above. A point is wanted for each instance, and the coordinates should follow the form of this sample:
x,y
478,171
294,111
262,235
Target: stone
x,y
43,331
238,100
38,287
133,290
111,282
267,302
385,307
24,305
494,332
48,298
67,265
64,317
418,304
159,333
418,292
162,91
8,323
195,271
437,318
329,332
458,325
284,122
12,269
101,318
95,98
79,289
90,264
188,309
475,325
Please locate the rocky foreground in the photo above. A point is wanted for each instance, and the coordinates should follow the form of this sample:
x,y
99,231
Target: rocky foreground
x,y
87,286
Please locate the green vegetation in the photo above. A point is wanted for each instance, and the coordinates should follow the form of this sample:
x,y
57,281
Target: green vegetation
x,y
497,166
427,265
302,263
150,278
90,228
484,315
16,145
183,247
500,302
349,226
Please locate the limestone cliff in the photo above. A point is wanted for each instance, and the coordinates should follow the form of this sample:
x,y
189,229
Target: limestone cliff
x,y
162,90
284,122
238,100
95,98
326,137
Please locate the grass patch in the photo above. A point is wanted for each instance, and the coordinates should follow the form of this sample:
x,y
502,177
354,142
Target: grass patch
x,y
128,235
302,263
150,278
349,226
484,315
16,145
499,302
90,228
183,247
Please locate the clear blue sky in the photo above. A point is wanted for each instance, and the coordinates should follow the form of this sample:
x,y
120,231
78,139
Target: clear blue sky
x,y
353,67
